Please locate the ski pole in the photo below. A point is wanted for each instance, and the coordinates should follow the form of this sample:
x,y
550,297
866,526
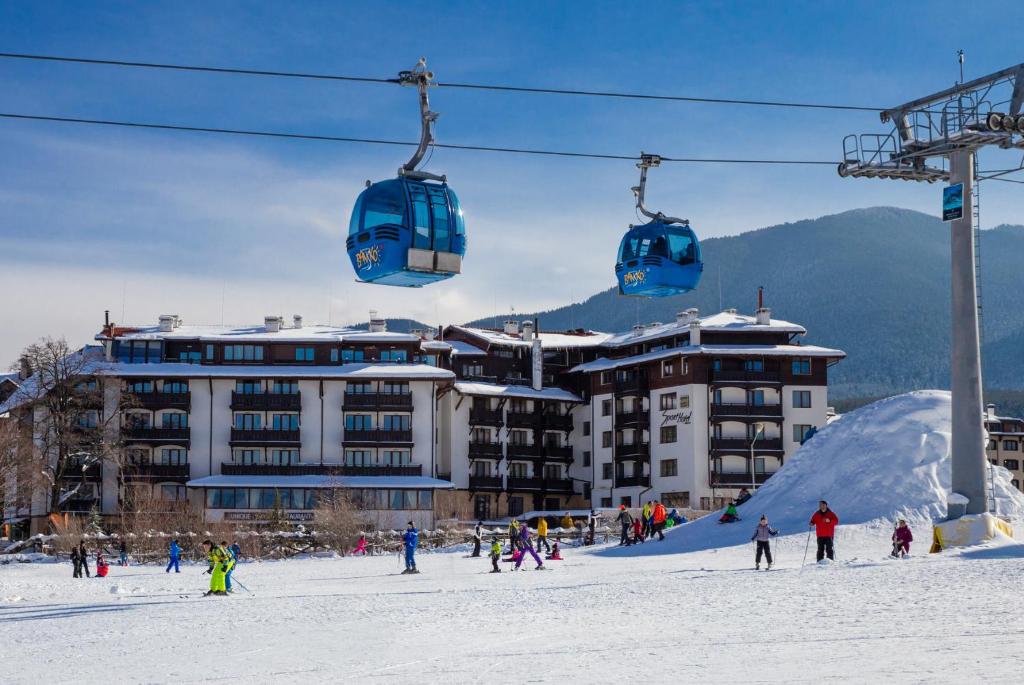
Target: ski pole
x,y
806,547
235,581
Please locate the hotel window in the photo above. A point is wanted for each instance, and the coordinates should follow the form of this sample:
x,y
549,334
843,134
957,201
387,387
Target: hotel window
x,y
174,421
716,364
175,387
285,422
517,406
173,493
334,355
482,468
606,407
140,386
552,472
394,355
517,469
606,439
668,400
358,422
684,401
304,354
586,428
351,355
243,353
518,437
284,457
607,377
800,431
473,369
716,397
586,458
209,353
801,399
753,365
247,457
668,434
802,366
285,388
759,465
481,435
1011,445
248,387
190,356
669,467
482,507
173,456
248,422
358,458
395,422
515,506
395,388
1011,464
667,368
755,398
992,444
358,388
606,471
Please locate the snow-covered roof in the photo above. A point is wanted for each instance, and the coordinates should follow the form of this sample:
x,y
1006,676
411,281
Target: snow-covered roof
x,y
464,349
341,372
547,340
435,346
723,321
9,378
605,364
310,333
524,391
324,481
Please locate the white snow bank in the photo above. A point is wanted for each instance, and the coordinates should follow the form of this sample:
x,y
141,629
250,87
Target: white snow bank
x,y
884,461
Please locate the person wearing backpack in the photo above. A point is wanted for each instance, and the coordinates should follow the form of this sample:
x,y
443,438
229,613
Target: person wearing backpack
x,y
762,535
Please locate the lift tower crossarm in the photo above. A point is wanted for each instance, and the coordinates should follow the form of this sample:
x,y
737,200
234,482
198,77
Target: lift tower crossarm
x,y
945,95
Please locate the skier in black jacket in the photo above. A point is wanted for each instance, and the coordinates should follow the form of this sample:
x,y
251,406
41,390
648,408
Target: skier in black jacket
x,y
626,519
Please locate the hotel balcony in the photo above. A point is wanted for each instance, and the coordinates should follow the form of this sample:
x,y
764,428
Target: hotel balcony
x,y
636,385
529,420
634,419
177,436
485,450
233,469
377,437
558,422
524,451
486,483
156,472
266,401
161,400
745,378
744,411
637,450
377,401
737,480
243,437
486,417
742,445
632,481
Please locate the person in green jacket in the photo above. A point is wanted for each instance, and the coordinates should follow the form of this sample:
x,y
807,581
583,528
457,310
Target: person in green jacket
x,y
730,515
645,520
219,560
495,554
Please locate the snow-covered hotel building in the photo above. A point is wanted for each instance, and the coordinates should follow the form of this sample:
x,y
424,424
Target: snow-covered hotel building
x,y
464,422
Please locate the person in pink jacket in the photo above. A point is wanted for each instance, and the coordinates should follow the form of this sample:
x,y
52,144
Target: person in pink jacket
x,y
360,546
901,539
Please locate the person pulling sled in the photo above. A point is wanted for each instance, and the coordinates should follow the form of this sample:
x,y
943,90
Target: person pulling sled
x,y
763,535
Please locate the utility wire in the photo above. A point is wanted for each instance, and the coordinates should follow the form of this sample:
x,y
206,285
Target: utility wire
x,y
469,86
382,141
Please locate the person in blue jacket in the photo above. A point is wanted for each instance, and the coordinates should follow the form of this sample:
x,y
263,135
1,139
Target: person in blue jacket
x,y
175,555
411,537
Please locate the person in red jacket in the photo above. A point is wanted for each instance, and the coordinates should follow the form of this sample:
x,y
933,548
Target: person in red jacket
x,y
824,522
658,516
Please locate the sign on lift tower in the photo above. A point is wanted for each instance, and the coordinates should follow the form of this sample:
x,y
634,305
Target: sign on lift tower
x,y
935,138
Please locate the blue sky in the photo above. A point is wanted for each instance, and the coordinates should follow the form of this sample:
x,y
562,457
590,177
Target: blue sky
x,y
144,223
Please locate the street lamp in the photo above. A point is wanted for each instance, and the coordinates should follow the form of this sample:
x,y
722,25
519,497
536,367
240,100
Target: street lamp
x,y
758,431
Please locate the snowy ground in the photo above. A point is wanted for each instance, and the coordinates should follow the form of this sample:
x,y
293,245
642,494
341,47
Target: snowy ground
x,y
699,616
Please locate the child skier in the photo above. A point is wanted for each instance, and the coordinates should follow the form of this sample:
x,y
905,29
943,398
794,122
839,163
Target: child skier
x,y
762,534
496,554
638,532
730,515
175,554
360,546
901,539
101,566
123,557
525,546
230,553
556,553
410,538
218,567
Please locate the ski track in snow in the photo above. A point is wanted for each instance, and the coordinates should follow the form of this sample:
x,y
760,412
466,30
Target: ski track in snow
x,y
704,616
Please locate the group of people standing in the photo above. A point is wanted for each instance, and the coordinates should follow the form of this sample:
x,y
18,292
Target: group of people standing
x,y
651,522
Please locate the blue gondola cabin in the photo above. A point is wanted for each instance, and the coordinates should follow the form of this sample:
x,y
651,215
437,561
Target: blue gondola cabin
x,y
658,259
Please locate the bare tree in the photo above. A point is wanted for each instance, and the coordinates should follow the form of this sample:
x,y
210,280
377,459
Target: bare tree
x,y
72,428
338,522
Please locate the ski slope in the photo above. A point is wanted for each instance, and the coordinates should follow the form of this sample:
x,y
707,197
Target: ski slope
x,y
693,617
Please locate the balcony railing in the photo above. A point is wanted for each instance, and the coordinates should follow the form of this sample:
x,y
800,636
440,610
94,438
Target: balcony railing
x,y
742,445
746,410
517,419
156,471
737,479
633,418
377,436
486,417
162,400
770,377
485,450
524,451
233,469
150,434
265,436
637,450
80,505
536,484
632,481
486,483
73,471
631,386
266,401
558,422
558,485
557,452
378,400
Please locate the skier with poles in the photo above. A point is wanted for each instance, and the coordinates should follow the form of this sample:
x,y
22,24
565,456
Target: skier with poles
x,y
762,535
495,554
123,554
410,538
525,546
76,559
175,554
218,559
230,553
477,538
824,522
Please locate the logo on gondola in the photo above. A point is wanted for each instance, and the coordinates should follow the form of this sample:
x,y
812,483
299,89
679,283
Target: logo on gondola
x,y
634,277
368,257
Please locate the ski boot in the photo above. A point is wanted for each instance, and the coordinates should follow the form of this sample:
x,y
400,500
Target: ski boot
x,y
757,566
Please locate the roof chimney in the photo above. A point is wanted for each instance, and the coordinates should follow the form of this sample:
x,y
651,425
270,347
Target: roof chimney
x,y
377,324
537,378
24,367
764,316
272,323
297,321
528,331
990,411
760,296
167,322
730,310
511,327
695,333
638,330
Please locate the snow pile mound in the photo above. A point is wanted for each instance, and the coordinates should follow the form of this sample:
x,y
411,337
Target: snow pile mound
x,y
887,460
